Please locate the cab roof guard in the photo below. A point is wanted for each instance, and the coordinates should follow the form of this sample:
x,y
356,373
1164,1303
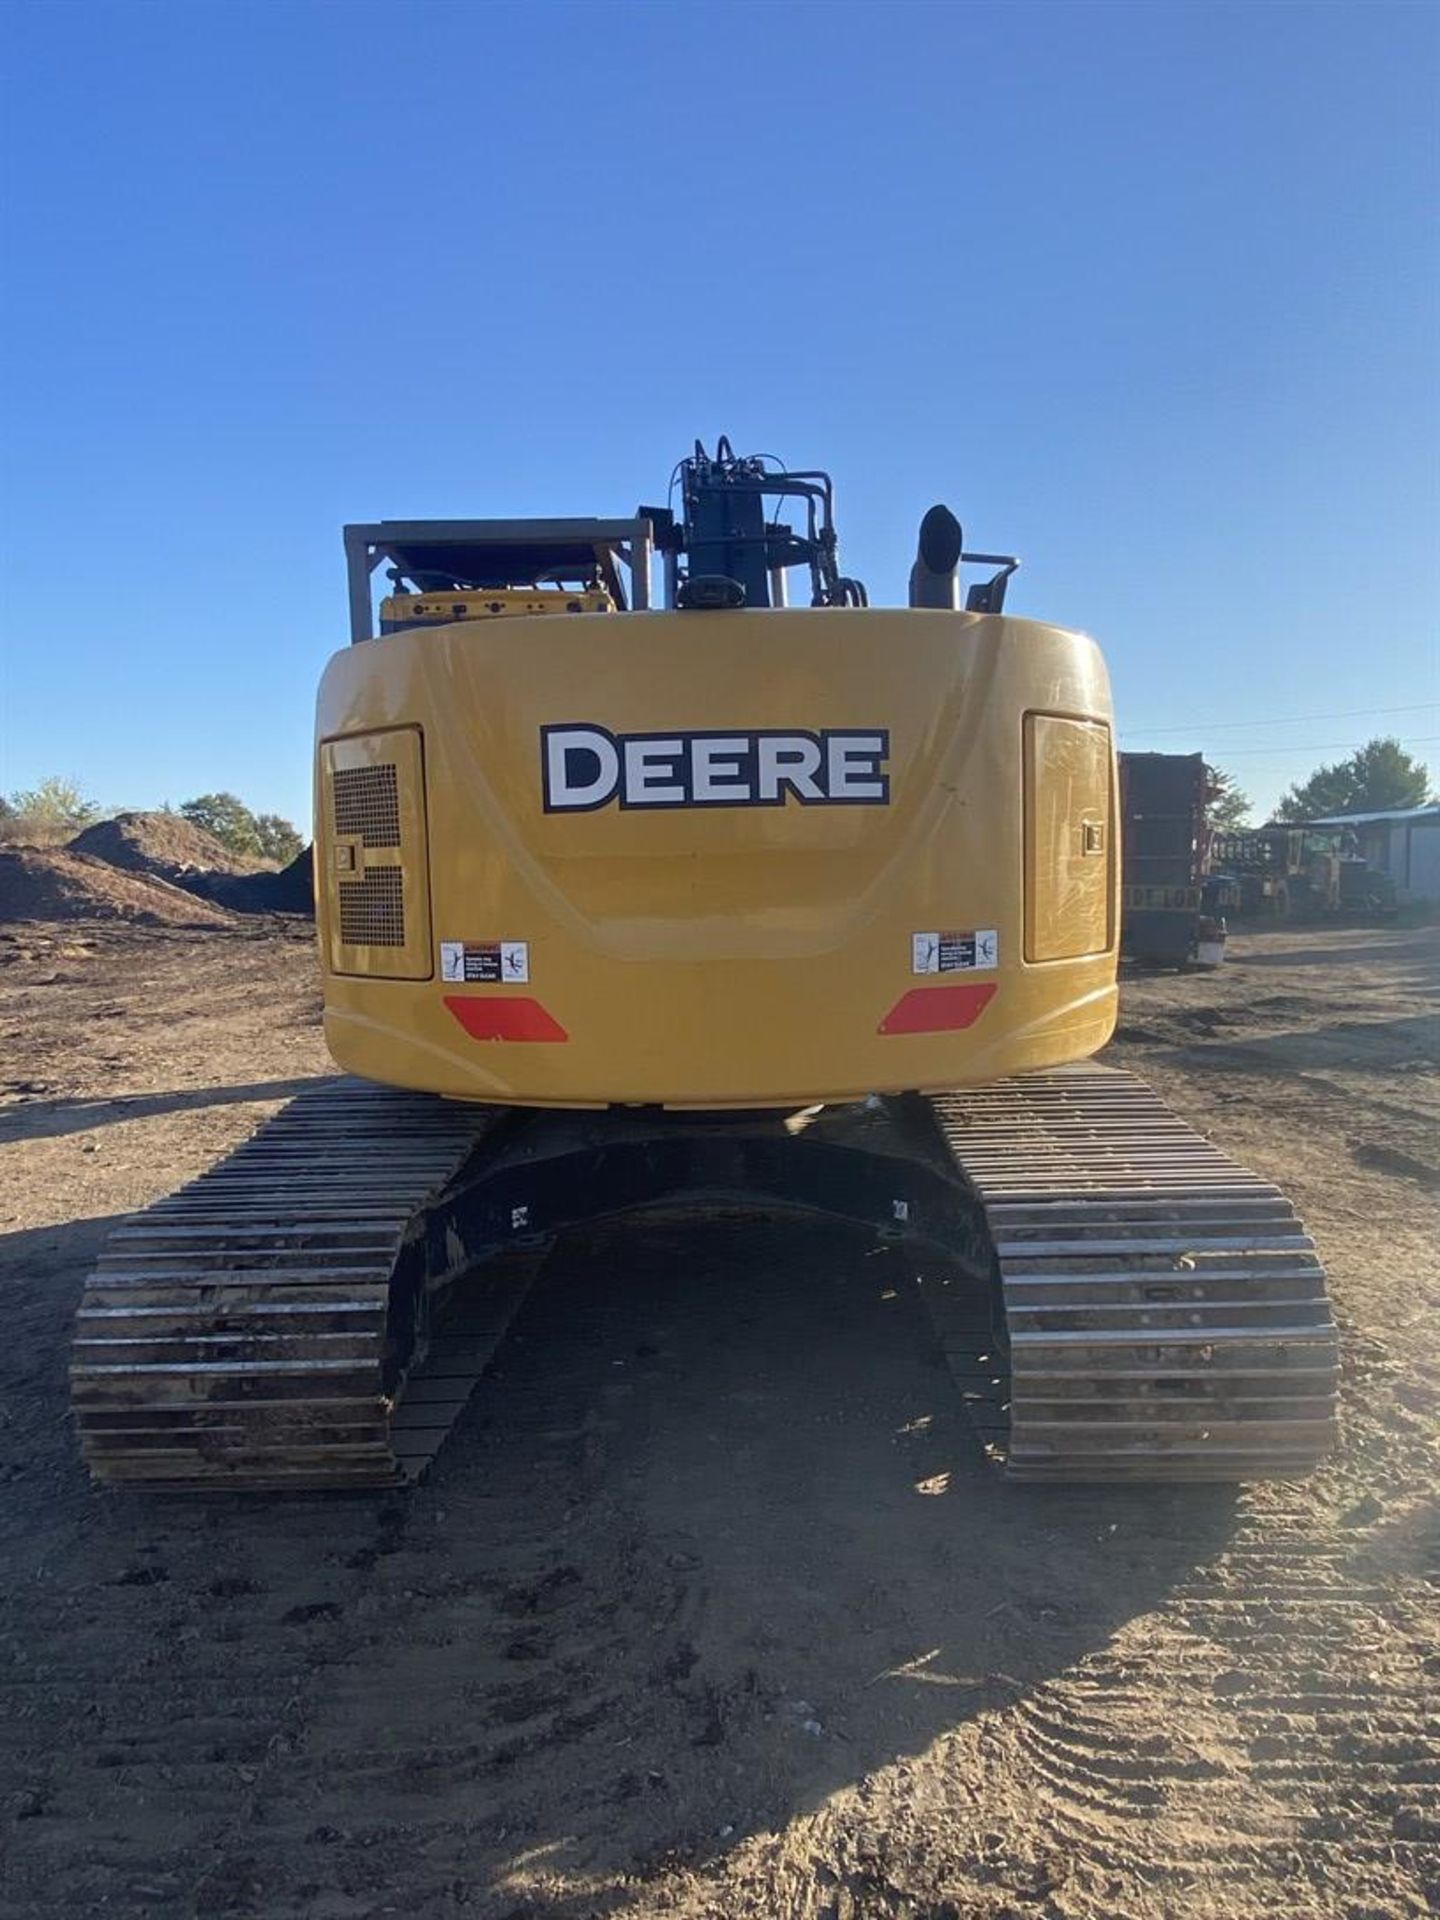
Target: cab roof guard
x,y
444,556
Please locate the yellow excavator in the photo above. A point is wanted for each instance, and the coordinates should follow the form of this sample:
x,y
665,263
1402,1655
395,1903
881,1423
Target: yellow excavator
x,y
720,901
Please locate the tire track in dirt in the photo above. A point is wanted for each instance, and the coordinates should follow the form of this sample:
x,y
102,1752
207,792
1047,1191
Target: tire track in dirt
x,y
1273,1724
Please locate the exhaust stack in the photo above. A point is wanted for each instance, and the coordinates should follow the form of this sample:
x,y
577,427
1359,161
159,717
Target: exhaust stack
x,y
935,576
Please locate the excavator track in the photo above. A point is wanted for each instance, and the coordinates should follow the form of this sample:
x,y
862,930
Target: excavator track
x,y
1122,1301
268,1326
1165,1315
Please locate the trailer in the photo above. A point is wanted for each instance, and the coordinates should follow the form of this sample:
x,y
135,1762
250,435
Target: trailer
x,y
1172,914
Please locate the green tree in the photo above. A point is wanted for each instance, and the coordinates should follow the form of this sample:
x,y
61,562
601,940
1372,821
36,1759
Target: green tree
x,y
279,841
1226,806
51,811
228,819
1379,776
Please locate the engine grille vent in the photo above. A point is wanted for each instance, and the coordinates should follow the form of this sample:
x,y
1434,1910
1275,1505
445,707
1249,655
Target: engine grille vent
x,y
376,898
367,802
372,909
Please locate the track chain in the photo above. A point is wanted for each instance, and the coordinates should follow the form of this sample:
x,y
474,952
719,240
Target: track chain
x,y
1165,1314
248,1330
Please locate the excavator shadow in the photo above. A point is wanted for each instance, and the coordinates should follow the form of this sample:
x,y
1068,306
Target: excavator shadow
x,y
713,1541
40,1119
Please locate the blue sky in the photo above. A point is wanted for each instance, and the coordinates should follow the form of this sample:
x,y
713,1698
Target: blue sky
x,y
1147,293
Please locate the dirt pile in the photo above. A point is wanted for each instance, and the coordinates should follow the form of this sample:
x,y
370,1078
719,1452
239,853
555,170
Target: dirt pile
x,y
163,846
160,843
292,890
58,884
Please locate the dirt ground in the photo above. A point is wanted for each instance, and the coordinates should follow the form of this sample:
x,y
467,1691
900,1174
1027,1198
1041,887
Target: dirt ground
x,y
709,1607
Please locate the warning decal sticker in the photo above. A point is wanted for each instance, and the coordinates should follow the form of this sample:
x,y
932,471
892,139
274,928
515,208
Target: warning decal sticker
x,y
485,960
971,952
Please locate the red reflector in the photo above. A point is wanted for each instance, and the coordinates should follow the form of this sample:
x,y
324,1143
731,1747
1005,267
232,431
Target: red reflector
x,y
488,1016
938,1009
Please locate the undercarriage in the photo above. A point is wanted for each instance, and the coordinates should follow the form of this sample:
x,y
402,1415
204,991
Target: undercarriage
x,y
1116,1298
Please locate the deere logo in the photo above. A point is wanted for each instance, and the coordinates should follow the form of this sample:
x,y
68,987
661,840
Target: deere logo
x,y
586,767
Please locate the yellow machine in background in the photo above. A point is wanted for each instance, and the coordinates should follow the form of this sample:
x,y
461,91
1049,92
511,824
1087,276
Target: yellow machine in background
x,y
585,866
